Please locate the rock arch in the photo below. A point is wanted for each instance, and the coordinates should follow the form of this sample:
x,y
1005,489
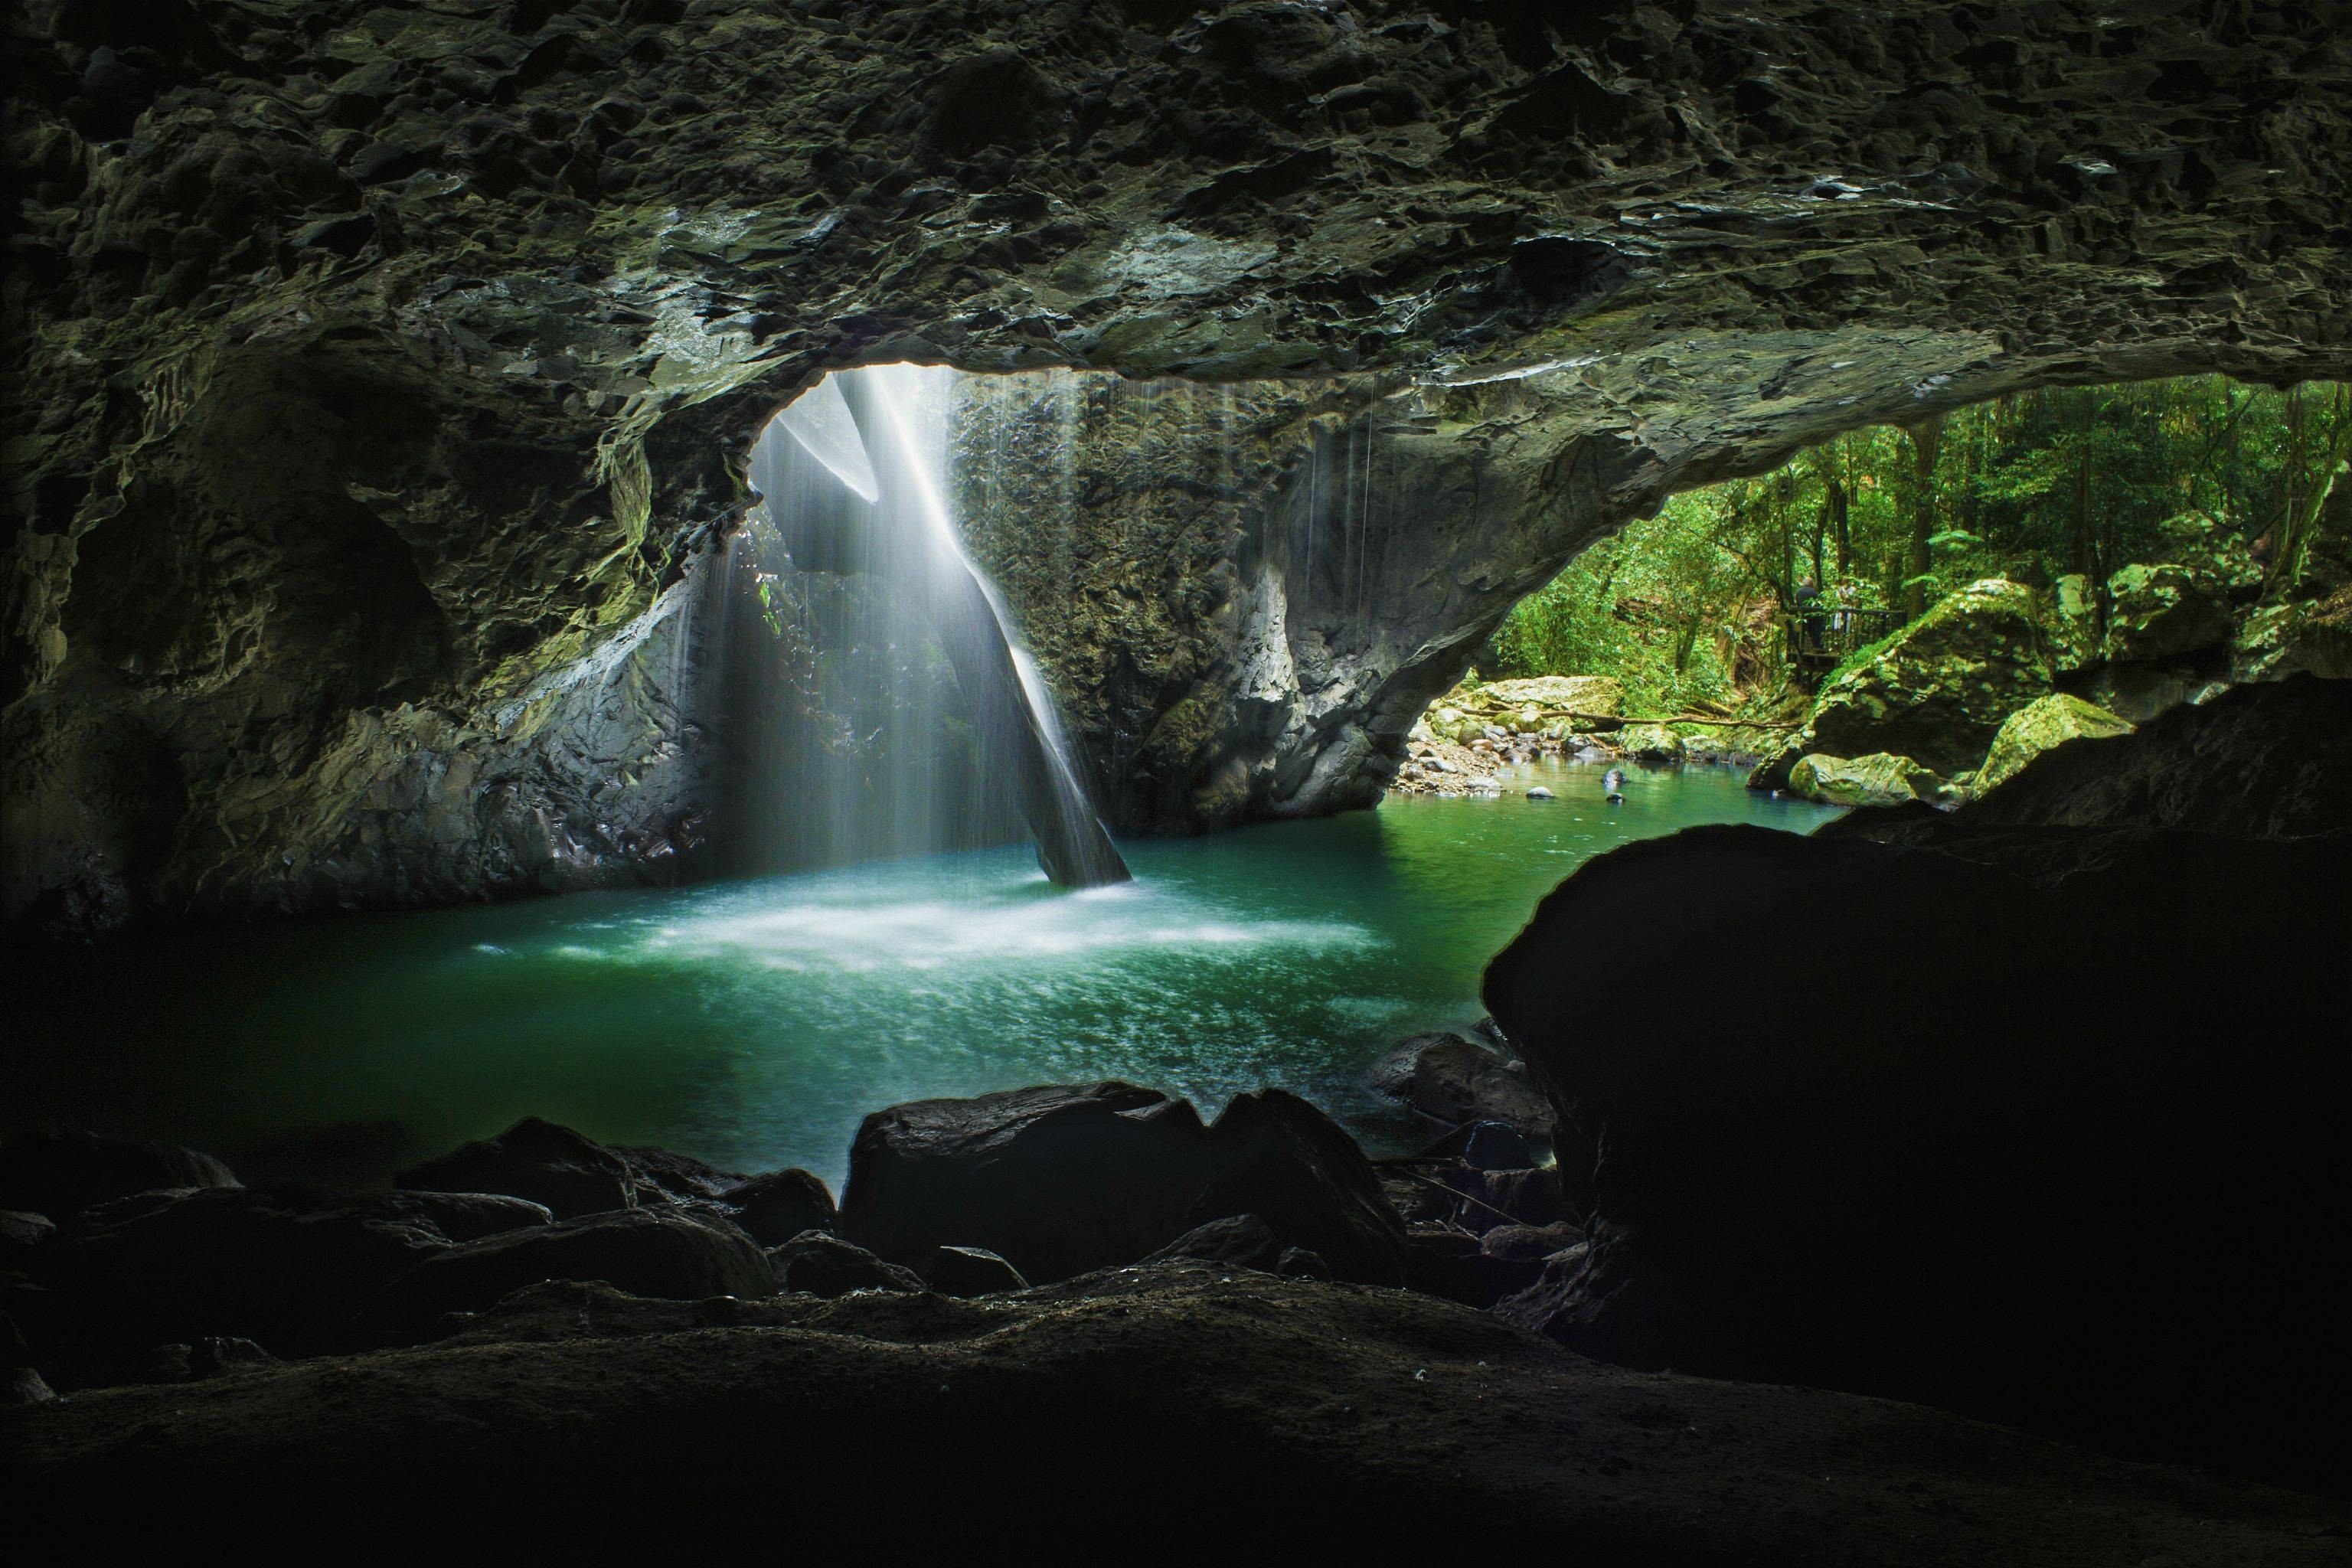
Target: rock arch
x,y
519,286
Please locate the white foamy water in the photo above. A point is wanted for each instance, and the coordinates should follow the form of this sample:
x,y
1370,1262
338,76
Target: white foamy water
x,y
851,925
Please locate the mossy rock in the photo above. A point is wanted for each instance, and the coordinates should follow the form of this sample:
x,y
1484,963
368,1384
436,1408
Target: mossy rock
x,y
2075,640
1776,759
2166,609
1939,690
1651,743
2212,551
1568,693
2280,640
1881,778
2039,727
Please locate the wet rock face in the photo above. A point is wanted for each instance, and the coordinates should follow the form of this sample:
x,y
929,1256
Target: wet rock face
x,y
1245,596
376,372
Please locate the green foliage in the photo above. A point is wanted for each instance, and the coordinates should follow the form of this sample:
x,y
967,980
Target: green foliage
x,y
1860,655
1686,609
1650,607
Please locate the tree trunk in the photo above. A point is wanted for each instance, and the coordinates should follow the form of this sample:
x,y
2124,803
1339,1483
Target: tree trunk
x,y
2086,543
1925,439
1835,506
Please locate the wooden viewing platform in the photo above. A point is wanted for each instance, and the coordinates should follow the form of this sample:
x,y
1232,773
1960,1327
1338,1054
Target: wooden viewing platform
x,y
1818,638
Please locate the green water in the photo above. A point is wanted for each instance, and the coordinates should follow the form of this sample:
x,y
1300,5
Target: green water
x,y
753,1023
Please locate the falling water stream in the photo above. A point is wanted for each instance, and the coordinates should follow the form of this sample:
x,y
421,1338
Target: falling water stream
x,y
879,434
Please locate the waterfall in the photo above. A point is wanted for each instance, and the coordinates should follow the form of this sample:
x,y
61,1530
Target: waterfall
x,y
853,478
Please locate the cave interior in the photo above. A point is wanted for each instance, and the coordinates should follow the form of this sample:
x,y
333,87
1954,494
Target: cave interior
x,y
726,728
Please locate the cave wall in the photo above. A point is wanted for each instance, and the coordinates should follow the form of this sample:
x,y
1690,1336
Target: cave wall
x,y
1243,595
376,369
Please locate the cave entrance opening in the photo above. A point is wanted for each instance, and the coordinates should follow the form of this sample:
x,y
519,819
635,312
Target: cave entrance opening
x,y
2129,546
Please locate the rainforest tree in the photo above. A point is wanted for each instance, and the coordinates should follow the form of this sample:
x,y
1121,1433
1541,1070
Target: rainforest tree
x,y
1686,608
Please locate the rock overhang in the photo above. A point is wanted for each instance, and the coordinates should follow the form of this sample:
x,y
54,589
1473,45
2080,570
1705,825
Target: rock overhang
x,y
618,238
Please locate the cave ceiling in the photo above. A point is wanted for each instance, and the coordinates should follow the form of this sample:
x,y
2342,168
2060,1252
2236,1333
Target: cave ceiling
x,y
370,363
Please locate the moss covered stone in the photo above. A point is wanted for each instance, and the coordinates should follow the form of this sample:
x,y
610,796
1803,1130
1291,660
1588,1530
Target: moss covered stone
x,y
1549,705
2166,609
1650,744
1881,778
1940,689
1568,694
2075,642
2311,636
2040,726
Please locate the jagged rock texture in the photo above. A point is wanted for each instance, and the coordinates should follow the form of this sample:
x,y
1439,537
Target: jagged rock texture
x,y
373,367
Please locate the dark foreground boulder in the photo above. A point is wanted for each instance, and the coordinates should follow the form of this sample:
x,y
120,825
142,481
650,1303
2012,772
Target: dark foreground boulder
x,y
20,1234
972,1271
659,1175
1238,1241
571,1173
819,1264
1453,1078
574,1175
674,1255
1274,1156
284,1265
209,1357
1057,1179
62,1174
775,1207
24,1385
1065,1178
1517,1241
2058,1139
1261,1409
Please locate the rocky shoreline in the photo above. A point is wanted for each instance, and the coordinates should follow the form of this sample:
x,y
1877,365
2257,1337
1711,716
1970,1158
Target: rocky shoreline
x,y
1470,737
532,1320
135,1263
